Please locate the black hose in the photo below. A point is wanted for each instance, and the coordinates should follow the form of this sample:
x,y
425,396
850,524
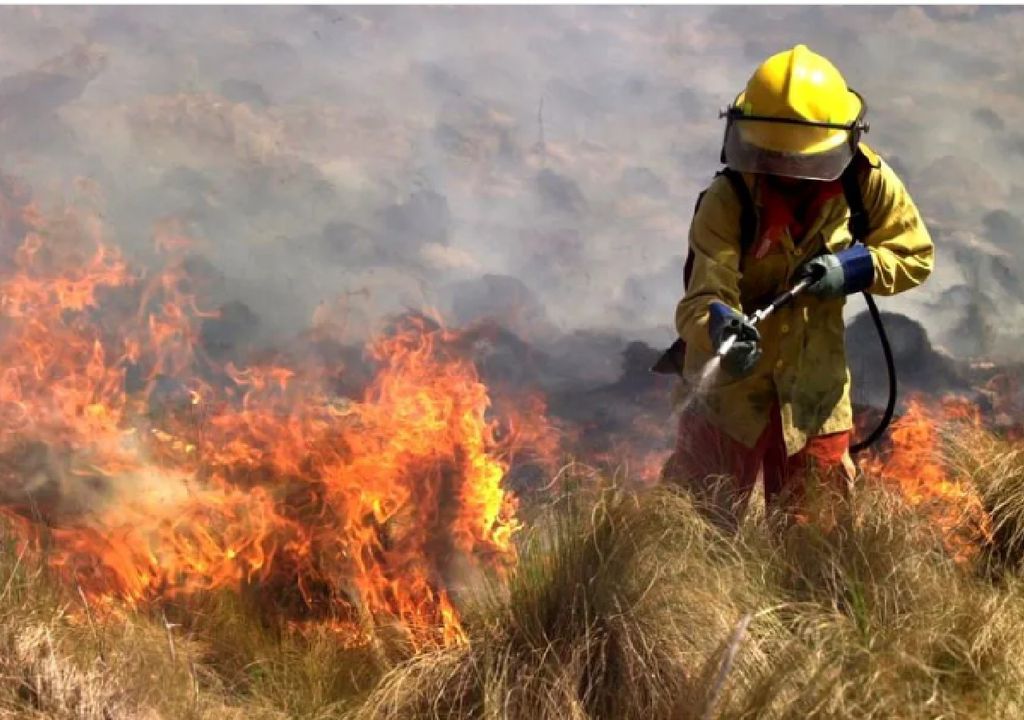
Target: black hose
x,y
890,366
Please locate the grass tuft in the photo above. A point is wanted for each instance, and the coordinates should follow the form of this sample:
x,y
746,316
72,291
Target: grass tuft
x,y
625,605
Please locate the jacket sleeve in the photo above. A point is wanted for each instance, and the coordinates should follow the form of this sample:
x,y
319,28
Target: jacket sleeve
x,y
715,243
900,246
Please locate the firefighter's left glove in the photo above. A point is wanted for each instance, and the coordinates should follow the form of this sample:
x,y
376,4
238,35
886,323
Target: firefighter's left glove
x,y
723,323
843,273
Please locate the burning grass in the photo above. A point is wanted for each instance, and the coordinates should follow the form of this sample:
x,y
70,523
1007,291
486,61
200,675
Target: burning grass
x,y
623,605
192,536
148,471
58,660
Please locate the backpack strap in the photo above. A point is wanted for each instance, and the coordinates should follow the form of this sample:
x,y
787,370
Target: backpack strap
x,y
748,213
748,217
859,224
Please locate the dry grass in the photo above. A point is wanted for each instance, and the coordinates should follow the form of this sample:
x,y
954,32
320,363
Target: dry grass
x,y
215,658
624,606
631,607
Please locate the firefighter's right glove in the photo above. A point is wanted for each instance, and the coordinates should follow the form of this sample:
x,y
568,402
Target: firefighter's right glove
x,y
843,273
723,323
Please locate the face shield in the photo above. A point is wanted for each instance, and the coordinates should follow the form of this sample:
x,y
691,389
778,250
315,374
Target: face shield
x,y
801,149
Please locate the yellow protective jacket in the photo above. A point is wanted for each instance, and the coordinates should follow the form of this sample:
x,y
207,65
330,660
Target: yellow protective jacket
x,y
803,366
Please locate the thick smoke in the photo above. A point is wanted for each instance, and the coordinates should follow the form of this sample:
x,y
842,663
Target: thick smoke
x,y
544,160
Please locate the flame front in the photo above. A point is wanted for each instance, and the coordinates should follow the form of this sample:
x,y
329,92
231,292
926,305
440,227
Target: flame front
x,y
147,471
915,467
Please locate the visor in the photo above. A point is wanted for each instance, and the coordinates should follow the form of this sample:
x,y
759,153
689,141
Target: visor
x,y
743,156
826,161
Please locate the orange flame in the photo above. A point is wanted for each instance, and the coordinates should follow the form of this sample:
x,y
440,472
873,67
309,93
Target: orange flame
x,y
159,481
914,466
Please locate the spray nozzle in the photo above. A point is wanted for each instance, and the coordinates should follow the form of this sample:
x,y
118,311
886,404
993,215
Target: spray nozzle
x,y
757,316
726,345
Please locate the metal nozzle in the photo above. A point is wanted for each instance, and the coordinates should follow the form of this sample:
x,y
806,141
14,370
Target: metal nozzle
x,y
726,346
759,315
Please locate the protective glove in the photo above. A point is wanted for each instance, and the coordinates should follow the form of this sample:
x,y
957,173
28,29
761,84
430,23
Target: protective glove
x,y
723,323
843,273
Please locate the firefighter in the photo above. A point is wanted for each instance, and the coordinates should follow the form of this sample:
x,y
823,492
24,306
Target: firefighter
x,y
780,407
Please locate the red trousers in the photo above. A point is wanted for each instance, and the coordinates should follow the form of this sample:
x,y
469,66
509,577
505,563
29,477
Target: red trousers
x,y
722,472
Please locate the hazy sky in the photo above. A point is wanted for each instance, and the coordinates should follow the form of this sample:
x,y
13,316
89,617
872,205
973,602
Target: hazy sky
x,y
401,154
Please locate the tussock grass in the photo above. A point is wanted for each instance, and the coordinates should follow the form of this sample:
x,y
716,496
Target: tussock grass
x,y
212,658
879,622
308,673
624,605
995,466
630,606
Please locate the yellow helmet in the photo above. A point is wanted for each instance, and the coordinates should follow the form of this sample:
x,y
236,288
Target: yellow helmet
x,y
796,117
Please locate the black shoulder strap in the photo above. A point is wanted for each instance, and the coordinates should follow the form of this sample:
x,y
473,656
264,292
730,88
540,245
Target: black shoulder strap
x,y
748,217
859,225
748,214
